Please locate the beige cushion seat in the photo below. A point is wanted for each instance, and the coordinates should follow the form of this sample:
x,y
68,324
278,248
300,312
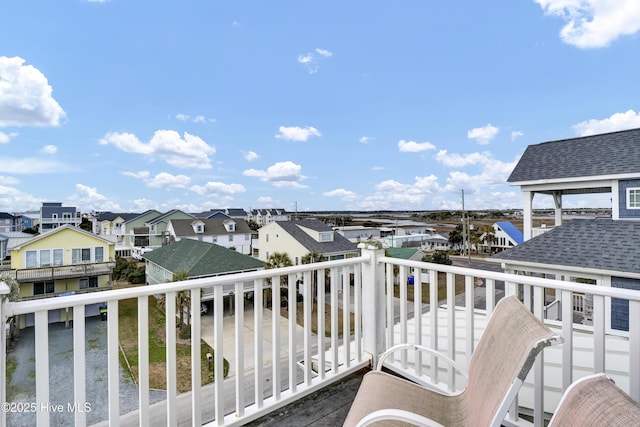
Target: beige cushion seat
x,y
504,355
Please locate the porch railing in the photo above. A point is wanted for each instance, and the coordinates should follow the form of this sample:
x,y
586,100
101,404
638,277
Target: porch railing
x,y
354,298
63,271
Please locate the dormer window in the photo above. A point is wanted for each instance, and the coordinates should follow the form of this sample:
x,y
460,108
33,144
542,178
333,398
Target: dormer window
x,y
198,227
326,236
230,226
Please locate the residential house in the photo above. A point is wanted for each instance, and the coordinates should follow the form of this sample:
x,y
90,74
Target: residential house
x,y
238,213
9,223
303,237
110,223
29,220
54,215
67,260
197,259
230,233
603,252
148,230
505,236
129,227
266,216
358,233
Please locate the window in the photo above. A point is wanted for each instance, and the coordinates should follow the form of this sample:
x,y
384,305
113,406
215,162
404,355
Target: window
x,y
99,255
88,282
32,259
41,288
45,258
58,257
633,198
326,237
79,255
231,237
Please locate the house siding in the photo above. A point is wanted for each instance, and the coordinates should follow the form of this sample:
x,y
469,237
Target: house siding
x,y
620,307
623,185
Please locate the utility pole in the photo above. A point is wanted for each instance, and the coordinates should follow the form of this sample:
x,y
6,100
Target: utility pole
x,y
466,232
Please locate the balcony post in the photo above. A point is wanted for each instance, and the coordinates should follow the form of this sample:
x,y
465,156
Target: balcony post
x,y
373,321
4,297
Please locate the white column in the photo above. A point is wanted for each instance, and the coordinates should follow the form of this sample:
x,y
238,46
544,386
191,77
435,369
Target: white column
x,y
557,201
373,323
615,200
527,220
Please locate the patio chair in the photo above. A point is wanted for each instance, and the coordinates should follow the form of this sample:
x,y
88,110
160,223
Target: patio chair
x,y
504,355
596,401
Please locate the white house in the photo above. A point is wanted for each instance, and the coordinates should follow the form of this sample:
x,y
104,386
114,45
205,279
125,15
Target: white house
x,y
230,233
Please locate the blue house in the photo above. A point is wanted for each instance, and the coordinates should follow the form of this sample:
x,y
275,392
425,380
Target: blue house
x,y
604,252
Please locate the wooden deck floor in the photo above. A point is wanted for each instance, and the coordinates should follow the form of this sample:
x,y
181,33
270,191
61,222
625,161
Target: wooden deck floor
x,y
325,408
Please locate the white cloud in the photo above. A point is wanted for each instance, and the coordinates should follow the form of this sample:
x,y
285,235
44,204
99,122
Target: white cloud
x,y
266,201
323,52
87,199
12,200
168,181
138,175
594,23
8,180
26,96
194,119
618,121
343,194
483,135
50,149
414,147
295,133
377,168
6,137
516,134
250,155
215,188
281,174
366,139
311,60
391,194
461,160
188,152
31,166
142,205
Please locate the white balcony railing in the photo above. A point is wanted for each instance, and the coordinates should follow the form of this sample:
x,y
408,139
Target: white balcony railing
x,y
266,377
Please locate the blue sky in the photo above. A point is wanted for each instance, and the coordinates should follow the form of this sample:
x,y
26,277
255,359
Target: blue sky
x,y
328,105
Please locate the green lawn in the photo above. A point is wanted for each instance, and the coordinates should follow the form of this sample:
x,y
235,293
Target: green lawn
x,y
128,321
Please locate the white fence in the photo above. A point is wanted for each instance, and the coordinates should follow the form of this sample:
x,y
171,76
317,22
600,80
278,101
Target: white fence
x,y
357,295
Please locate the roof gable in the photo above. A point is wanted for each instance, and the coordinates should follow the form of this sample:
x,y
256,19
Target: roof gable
x,y
56,232
296,230
606,154
201,259
603,244
511,231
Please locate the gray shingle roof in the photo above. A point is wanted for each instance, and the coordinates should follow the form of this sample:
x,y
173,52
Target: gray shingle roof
x,y
339,243
201,259
589,243
212,227
605,154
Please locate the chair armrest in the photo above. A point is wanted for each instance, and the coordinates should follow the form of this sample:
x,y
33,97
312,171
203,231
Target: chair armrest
x,y
397,415
417,347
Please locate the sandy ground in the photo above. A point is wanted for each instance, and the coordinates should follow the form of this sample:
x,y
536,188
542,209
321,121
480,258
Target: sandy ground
x,y
22,385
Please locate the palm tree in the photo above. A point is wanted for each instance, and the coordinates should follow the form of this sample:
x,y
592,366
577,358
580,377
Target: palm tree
x,y
277,260
488,236
310,258
183,300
